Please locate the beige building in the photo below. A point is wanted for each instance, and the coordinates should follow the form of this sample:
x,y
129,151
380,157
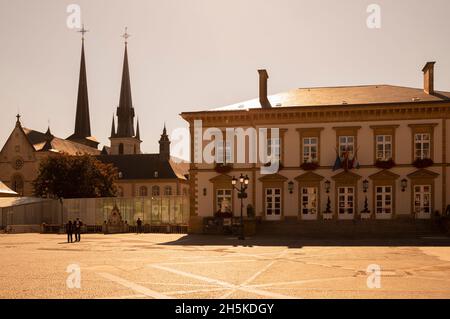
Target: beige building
x,y
359,152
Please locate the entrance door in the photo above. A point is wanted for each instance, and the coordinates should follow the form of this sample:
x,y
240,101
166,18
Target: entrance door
x,y
383,202
346,202
309,203
422,201
273,203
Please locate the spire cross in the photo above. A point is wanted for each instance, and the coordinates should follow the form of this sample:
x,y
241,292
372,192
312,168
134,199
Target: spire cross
x,y
126,35
82,31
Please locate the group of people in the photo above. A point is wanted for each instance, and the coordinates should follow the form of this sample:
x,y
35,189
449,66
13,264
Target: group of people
x,y
73,228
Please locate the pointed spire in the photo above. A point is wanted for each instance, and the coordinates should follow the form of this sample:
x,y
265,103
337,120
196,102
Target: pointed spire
x,y
125,111
164,145
48,134
138,133
113,127
82,120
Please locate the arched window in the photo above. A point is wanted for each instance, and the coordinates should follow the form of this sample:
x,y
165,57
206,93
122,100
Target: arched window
x,y
17,184
121,148
119,191
167,190
155,191
143,191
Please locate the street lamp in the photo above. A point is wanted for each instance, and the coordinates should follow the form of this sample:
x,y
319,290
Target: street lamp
x,y
404,184
243,185
291,187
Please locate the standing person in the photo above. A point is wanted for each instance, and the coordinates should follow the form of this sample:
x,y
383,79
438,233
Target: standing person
x,y
139,226
69,231
78,225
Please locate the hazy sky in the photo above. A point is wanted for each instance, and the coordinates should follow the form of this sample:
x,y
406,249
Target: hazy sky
x,y
188,55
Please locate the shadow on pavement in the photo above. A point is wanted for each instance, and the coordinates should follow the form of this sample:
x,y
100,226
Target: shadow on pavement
x,y
299,242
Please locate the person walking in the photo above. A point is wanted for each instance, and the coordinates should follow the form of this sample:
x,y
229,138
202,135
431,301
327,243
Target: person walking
x,y
78,225
139,226
69,231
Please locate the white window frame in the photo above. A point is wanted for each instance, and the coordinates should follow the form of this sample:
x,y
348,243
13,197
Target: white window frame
x,y
383,145
222,194
423,201
422,145
309,202
344,202
384,198
224,148
309,155
345,143
273,196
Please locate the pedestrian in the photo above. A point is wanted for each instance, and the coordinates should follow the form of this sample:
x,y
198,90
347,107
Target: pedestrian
x,y
69,231
139,226
77,227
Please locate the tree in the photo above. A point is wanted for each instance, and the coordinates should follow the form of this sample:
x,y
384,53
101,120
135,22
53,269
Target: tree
x,y
65,176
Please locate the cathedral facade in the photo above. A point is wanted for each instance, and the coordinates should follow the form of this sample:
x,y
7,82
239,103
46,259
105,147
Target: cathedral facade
x,y
139,174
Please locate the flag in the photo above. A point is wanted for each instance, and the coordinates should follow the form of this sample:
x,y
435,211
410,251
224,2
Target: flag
x,y
338,162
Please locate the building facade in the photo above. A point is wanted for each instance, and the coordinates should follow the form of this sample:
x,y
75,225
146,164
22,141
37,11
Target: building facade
x,y
361,152
140,174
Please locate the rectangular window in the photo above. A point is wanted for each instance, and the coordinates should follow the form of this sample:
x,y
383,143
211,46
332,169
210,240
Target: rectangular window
x,y
309,202
224,152
383,147
346,199
223,200
422,145
383,199
310,149
273,203
276,151
346,144
422,199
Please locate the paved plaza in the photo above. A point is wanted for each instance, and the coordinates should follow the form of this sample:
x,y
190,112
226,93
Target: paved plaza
x,y
180,266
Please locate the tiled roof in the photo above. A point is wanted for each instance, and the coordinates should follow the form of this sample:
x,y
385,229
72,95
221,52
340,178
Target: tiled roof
x,y
144,166
39,140
345,95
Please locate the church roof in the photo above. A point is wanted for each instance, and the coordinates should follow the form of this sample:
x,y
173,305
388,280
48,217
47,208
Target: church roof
x,y
144,166
45,142
343,95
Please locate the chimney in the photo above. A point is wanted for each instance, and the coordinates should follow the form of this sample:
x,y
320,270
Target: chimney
x,y
428,77
263,76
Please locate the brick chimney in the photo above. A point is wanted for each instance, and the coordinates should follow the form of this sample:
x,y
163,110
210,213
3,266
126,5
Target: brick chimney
x,y
428,77
263,76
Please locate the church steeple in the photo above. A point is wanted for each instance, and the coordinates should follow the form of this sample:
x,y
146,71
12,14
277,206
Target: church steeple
x,y
164,145
82,132
138,133
125,111
113,128
124,141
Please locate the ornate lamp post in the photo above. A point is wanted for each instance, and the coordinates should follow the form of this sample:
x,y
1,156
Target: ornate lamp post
x,y
291,187
243,185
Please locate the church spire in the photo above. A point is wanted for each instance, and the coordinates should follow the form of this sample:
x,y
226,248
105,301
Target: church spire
x,y
164,145
113,127
138,133
82,121
82,132
125,111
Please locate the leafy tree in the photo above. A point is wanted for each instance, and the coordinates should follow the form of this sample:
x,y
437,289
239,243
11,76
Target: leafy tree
x,y
65,176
